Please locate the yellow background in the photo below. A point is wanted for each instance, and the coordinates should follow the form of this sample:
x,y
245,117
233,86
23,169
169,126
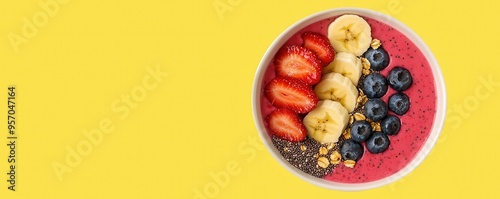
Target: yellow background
x,y
198,119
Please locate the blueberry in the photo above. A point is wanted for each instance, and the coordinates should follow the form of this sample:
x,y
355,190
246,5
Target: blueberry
x,y
390,125
375,109
351,150
360,131
400,78
374,85
377,143
399,103
378,58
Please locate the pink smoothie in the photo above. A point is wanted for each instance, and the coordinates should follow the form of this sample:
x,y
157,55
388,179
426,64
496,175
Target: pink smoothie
x,y
416,124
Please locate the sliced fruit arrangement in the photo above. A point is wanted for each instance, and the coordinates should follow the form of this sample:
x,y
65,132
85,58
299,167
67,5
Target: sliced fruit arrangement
x,y
330,86
298,68
350,33
346,64
327,121
334,86
286,125
298,62
320,45
292,94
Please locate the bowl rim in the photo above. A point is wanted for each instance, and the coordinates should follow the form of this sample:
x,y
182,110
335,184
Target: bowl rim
x,y
438,81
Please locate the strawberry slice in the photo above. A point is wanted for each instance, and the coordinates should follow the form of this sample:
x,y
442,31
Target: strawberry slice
x,y
298,62
319,44
286,125
292,94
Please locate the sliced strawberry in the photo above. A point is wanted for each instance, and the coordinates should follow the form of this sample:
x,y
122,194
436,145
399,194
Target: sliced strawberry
x,y
286,125
292,94
319,44
298,62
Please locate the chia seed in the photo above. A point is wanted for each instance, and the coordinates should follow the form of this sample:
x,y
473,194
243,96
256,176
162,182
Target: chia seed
x,y
306,160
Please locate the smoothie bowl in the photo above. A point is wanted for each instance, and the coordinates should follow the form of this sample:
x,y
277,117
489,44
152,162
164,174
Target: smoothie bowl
x,y
349,99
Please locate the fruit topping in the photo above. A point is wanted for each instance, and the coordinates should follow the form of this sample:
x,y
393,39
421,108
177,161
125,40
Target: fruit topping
x,y
292,94
374,85
320,45
326,122
334,86
347,64
400,78
351,150
399,103
298,62
360,131
286,125
391,125
378,58
350,33
375,109
377,143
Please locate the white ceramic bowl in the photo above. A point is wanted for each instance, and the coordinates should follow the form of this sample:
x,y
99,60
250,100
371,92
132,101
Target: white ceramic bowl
x,y
440,100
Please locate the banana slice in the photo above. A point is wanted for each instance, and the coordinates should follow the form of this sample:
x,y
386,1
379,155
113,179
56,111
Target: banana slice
x,y
350,33
346,64
334,86
326,122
